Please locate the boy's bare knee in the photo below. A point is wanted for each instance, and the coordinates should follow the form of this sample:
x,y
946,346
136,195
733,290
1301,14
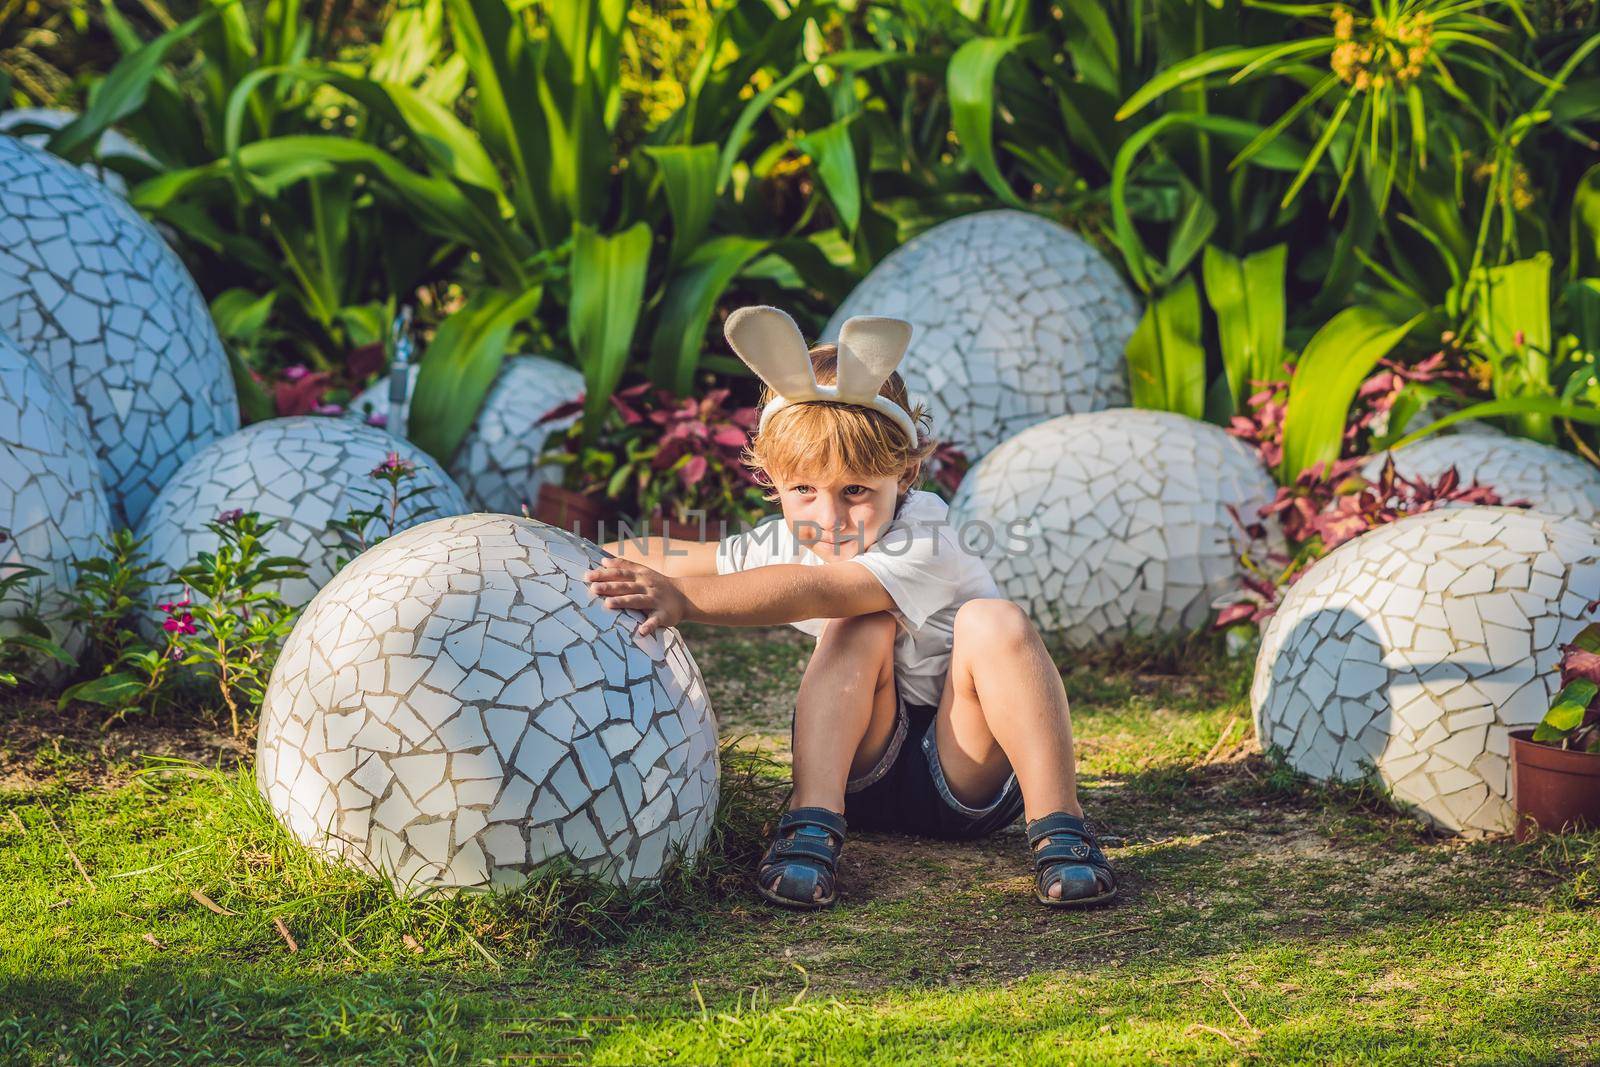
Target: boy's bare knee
x,y
992,620
875,626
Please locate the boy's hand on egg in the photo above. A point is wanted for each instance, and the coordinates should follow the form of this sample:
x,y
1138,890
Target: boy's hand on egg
x,y
627,584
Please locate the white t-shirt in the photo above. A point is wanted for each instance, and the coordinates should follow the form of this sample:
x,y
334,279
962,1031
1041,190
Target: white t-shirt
x,y
922,567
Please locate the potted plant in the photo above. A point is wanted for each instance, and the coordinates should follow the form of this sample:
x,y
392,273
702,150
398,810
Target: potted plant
x,y
672,465
1555,767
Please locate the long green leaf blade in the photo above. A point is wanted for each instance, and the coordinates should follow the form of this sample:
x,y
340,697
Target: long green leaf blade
x,y
970,83
608,275
460,366
1335,362
1166,359
1247,296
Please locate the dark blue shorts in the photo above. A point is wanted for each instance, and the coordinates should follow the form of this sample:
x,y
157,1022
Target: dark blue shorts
x,y
907,793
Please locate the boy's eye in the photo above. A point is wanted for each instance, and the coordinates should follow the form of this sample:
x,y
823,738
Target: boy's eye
x,y
851,490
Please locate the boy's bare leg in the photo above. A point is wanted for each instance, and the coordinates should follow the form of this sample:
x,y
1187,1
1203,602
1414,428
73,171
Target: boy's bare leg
x,y
844,713
1004,708
845,710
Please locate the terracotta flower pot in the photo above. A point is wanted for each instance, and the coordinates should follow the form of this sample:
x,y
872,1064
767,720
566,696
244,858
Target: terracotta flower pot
x,y
578,512
1555,789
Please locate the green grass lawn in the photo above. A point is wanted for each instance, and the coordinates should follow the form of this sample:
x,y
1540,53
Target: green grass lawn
x,y
1261,919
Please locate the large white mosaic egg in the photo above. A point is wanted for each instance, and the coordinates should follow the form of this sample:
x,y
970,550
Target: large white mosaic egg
x,y
1417,646
303,471
1115,523
1549,479
1015,319
497,465
108,146
456,708
52,510
93,294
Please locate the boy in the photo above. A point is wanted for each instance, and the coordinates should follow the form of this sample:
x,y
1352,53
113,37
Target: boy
x,y
930,704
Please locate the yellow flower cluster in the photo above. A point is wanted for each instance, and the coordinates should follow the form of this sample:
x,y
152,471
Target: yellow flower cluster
x,y
1521,184
1378,51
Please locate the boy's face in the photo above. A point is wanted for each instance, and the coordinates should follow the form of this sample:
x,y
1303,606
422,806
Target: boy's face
x,y
839,520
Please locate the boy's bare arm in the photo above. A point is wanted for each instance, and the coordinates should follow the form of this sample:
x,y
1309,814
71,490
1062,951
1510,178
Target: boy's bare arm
x,y
674,557
781,593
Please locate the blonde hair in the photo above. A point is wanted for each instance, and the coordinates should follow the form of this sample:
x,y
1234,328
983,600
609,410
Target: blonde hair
x,y
828,440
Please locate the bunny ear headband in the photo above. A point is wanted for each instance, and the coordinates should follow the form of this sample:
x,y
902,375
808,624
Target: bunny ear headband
x,y
870,347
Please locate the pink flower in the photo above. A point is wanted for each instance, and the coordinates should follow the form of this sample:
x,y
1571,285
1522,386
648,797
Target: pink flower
x,y
296,372
393,464
328,409
183,625
171,607
378,419
230,516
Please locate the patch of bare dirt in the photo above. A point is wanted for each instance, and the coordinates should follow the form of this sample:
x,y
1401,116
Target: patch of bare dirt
x,y
41,747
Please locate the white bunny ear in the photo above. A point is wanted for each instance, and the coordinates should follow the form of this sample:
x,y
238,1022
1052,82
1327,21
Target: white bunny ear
x,y
769,342
870,348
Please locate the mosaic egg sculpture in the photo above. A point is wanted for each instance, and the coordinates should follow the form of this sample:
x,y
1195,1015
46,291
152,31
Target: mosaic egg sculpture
x,y
456,708
1015,319
52,510
92,293
1113,524
497,465
108,146
1549,479
1417,646
304,472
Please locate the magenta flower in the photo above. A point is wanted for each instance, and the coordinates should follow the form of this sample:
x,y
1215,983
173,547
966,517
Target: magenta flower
x,y
296,372
171,607
393,464
184,625
328,409
378,419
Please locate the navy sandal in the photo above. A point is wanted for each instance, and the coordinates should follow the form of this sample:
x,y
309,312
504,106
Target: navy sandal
x,y
808,859
1073,858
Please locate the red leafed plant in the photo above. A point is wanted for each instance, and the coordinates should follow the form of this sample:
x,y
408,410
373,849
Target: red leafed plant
x,y
658,455
946,467
1329,504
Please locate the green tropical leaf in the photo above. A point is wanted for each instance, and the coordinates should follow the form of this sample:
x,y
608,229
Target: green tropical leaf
x,y
1205,64
1166,358
687,306
460,365
1336,360
836,166
1520,405
607,275
121,93
111,690
1247,296
1586,224
689,174
970,83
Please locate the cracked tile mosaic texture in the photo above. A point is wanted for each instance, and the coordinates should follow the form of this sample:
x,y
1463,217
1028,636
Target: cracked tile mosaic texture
x,y
1123,523
51,505
1418,645
90,291
1549,479
496,465
456,707
1015,319
304,471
